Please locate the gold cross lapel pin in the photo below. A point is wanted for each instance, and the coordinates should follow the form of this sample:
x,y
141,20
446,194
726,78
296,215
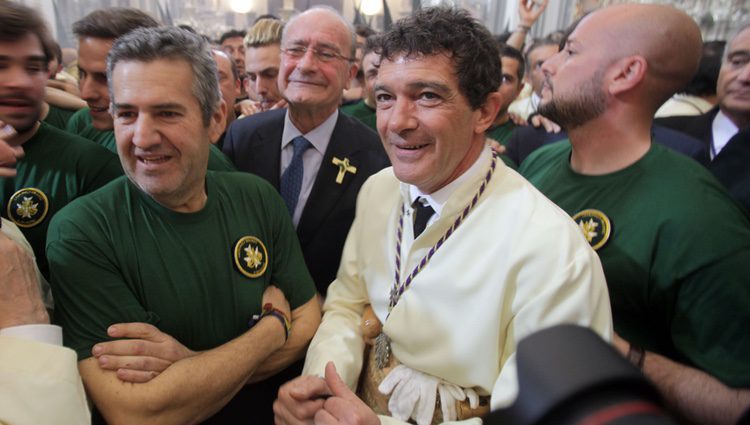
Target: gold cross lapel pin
x,y
344,167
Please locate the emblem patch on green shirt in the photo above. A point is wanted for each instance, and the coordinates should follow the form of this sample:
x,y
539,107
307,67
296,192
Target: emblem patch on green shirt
x,y
595,226
28,207
251,256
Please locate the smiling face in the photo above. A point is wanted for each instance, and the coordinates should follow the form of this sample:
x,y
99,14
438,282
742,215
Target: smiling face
x,y
733,86
23,75
161,138
309,82
92,72
428,128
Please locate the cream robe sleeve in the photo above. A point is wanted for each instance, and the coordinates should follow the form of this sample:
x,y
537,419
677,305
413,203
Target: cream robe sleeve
x,y
339,337
39,384
12,231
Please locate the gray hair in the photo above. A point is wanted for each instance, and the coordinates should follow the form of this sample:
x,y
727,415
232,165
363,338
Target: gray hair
x,y
335,13
151,44
742,26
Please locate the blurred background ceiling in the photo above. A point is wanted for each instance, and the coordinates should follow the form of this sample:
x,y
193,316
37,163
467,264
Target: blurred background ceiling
x,y
213,17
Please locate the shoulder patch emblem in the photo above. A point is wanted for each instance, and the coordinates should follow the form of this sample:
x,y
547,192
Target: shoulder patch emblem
x,y
250,256
28,207
595,225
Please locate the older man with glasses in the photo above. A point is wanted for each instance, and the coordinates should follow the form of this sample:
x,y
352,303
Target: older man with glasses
x,y
315,156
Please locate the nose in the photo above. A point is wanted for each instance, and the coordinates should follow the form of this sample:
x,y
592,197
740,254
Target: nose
x,y
268,86
401,116
744,74
549,66
87,87
145,135
307,61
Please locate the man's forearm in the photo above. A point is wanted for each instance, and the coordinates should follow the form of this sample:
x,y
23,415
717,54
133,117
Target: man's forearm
x,y
697,396
518,38
63,99
191,389
305,321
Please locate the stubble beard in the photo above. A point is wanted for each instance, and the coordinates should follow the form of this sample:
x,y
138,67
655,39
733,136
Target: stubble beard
x,y
586,104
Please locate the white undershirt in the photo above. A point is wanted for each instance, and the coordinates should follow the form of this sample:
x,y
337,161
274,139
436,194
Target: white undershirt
x,y
722,129
50,334
438,198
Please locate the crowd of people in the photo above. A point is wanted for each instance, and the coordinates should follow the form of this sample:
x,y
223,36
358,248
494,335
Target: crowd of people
x,y
306,222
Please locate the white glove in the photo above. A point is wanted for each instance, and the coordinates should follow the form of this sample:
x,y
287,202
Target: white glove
x,y
450,394
413,394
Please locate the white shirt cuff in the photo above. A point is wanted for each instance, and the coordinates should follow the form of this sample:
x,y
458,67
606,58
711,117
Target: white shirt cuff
x,y
50,334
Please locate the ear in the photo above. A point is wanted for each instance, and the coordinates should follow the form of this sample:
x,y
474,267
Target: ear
x,y
246,85
487,112
238,86
353,68
218,122
628,73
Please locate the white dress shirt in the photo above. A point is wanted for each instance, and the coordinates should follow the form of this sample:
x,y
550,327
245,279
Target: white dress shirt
x,y
722,130
312,158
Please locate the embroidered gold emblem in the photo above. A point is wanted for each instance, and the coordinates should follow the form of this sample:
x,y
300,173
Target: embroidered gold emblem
x,y
344,167
28,207
595,225
250,256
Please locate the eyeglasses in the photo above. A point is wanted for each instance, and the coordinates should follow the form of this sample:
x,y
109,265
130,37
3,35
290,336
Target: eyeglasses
x,y
324,55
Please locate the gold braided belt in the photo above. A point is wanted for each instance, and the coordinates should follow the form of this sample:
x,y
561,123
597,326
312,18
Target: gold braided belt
x,y
372,376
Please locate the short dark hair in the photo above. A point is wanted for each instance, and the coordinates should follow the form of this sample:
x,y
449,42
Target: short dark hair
x,y
231,34
17,20
372,44
363,30
513,53
56,51
705,79
445,30
112,22
558,42
171,43
266,16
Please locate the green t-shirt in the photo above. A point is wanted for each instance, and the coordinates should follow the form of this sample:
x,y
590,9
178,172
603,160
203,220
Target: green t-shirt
x,y
78,121
80,124
58,117
217,161
361,112
118,256
57,167
502,132
677,259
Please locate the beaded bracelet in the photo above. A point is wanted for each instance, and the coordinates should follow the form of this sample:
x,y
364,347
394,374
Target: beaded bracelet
x,y
269,310
636,356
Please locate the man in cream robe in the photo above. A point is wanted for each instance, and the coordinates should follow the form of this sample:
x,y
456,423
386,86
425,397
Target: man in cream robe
x,y
498,260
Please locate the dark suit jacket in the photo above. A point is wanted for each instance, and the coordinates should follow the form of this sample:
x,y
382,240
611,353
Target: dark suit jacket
x,y
732,167
253,144
526,140
697,126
